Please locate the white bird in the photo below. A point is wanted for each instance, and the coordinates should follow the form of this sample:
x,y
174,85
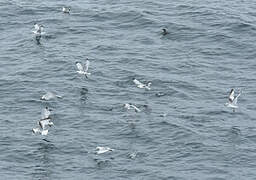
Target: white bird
x,y
66,9
49,95
132,155
129,106
38,131
101,150
45,122
83,70
141,85
232,100
38,29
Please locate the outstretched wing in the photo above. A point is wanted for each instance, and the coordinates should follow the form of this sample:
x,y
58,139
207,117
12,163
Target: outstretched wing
x,y
137,82
79,66
135,108
86,66
231,96
235,100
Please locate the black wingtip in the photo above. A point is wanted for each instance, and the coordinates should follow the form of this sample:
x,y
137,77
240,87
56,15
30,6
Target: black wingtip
x,y
46,140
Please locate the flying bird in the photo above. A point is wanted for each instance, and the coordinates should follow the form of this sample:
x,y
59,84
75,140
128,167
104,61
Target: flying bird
x,y
232,100
83,70
141,85
38,29
43,123
130,106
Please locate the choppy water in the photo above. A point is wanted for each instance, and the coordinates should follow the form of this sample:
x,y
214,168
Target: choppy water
x,y
209,50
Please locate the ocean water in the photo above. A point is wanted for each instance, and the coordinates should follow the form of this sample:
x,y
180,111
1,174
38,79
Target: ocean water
x,y
210,49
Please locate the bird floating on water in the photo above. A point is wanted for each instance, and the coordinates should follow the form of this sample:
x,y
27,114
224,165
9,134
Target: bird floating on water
x,y
101,150
232,100
66,9
141,85
83,70
49,95
130,106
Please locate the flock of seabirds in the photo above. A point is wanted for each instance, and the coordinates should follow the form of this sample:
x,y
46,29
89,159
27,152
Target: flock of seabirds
x,y
46,122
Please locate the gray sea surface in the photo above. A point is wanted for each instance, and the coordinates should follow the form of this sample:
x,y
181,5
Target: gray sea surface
x,y
184,130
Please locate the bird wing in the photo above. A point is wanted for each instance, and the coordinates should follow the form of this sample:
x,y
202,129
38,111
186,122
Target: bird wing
x,y
135,108
137,82
235,99
48,96
35,130
86,66
79,66
231,96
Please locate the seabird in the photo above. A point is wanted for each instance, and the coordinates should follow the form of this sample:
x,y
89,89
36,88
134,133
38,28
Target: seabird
x,y
132,155
66,9
129,106
232,100
45,121
83,70
49,95
101,150
165,32
38,29
141,85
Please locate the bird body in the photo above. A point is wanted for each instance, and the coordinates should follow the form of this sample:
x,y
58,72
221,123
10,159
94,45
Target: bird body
x,y
101,150
141,85
49,95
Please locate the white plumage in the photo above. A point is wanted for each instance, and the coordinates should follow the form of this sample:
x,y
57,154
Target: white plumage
x,y
141,85
232,100
129,106
49,95
101,150
83,70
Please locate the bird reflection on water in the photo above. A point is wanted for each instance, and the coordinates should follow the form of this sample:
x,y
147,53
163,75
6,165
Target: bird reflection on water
x,y
44,161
